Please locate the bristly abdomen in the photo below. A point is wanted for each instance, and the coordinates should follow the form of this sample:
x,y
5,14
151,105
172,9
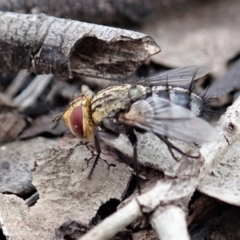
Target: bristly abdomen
x,y
182,97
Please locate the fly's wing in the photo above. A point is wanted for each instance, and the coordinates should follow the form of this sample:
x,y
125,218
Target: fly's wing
x,y
160,116
178,76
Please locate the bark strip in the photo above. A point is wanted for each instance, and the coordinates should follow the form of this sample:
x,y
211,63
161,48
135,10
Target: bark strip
x,y
44,44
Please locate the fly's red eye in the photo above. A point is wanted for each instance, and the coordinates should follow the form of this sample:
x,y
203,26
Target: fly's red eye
x,y
76,121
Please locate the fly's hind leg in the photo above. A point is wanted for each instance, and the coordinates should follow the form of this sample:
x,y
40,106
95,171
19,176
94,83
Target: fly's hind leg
x,y
171,146
172,153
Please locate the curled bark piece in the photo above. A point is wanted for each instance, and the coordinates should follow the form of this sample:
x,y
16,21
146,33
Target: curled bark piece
x,y
44,44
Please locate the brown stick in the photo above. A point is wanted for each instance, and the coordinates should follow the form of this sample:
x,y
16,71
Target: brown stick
x,y
44,44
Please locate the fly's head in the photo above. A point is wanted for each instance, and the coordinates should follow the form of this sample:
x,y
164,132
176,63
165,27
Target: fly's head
x,y
78,118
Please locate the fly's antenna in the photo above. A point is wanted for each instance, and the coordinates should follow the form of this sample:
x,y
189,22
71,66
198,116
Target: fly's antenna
x,y
56,120
192,81
49,110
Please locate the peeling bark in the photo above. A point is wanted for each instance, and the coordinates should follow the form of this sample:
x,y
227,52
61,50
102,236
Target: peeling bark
x,y
44,44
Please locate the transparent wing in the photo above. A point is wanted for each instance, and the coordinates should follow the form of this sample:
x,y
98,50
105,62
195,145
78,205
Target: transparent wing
x,y
178,76
160,116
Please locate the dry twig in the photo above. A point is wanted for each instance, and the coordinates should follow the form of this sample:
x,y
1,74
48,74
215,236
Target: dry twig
x,y
44,44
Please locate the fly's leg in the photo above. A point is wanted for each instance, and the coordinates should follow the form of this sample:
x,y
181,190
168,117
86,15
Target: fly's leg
x,y
133,140
98,149
172,153
172,146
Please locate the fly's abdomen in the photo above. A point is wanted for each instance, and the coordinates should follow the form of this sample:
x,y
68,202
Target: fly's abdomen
x,y
182,97
111,100
197,105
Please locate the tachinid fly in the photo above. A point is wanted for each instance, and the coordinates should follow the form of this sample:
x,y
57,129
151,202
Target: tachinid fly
x,y
147,104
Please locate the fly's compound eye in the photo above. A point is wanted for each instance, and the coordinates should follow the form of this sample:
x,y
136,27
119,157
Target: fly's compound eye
x,y
76,121
78,118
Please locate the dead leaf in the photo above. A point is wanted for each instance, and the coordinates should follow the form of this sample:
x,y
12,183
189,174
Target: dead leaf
x,y
60,176
16,161
197,33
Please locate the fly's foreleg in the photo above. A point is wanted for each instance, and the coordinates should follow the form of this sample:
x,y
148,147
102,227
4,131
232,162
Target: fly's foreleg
x,y
97,136
98,149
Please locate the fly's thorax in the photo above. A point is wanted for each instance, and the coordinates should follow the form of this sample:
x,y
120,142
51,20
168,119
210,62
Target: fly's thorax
x,y
78,118
182,97
110,101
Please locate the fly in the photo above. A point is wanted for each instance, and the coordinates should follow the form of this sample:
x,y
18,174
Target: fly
x,y
157,104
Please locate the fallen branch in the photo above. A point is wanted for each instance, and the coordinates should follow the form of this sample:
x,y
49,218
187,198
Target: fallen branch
x,y
44,44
